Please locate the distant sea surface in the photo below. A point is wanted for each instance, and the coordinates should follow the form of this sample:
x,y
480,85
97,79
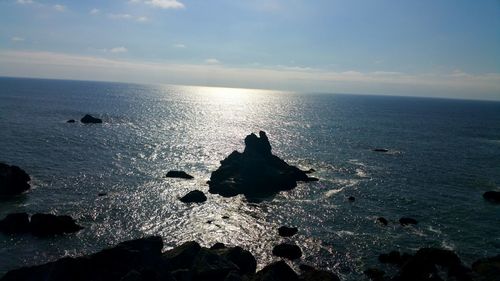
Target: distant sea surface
x,y
443,154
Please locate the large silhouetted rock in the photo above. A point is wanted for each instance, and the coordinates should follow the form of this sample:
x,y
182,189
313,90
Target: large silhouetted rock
x,y
142,259
288,251
256,172
13,180
179,174
89,119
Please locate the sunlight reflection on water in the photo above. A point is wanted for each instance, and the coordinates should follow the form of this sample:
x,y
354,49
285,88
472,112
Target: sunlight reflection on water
x,y
150,130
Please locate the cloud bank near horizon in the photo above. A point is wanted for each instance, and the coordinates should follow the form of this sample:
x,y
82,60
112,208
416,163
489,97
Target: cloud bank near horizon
x,y
207,73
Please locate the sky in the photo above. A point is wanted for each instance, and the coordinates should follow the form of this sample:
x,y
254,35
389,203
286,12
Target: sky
x,y
437,48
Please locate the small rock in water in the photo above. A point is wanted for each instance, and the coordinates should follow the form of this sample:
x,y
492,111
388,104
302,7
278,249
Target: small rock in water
x,y
492,196
178,174
381,150
351,199
285,231
48,224
225,217
13,180
89,119
102,194
406,221
71,121
194,196
288,251
382,220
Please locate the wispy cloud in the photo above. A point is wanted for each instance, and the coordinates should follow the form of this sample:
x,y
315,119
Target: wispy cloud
x,y
128,17
25,2
120,49
16,39
212,61
162,4
94,11
59,8
179,46
56,65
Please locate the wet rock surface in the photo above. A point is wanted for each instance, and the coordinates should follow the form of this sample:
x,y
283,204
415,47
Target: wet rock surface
x,y
255,173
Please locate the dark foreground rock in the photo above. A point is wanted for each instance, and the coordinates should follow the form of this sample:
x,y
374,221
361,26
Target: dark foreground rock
x,y
15,223
13,180
427,264
194,196
285,231
255,173
487,269
39,224
288,251
492,196
142,259
179,174
89,119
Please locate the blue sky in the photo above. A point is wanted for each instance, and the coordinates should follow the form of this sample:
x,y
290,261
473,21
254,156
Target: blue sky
x,y
423,48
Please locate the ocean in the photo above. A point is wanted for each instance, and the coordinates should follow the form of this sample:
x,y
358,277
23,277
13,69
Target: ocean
x,y
443,154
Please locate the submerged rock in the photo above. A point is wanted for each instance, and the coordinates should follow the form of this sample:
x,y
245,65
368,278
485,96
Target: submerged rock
x,y
492,196
380,150
288,251
194,196
179,174
71,121
255,173
89,119
407,221
13,180
286,231
48,224
351,198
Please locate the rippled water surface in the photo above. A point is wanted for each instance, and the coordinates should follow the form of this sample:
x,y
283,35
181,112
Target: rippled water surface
x,y
443,154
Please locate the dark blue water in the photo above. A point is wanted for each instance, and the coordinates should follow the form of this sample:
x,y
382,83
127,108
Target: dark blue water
x,y
443,154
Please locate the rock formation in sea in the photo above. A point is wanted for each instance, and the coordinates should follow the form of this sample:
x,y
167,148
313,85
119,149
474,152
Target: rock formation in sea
x,y
285,231
178,174
195,196
13,180
143,259
255,173
89,119
38,225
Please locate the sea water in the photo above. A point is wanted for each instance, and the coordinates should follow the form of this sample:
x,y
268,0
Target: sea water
x,y
443,154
